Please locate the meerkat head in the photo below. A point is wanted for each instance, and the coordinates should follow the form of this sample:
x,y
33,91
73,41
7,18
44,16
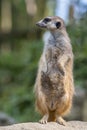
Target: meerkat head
x,y
51,23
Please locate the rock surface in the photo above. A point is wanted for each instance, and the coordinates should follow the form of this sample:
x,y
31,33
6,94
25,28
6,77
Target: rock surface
x,y
72,125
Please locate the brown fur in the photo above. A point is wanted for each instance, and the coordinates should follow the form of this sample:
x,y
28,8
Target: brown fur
x,y
54,83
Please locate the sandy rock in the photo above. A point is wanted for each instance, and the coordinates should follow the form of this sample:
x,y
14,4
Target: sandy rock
x,y
72,125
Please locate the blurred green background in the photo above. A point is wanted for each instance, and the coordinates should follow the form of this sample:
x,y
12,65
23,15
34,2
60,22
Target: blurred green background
x,y
20,49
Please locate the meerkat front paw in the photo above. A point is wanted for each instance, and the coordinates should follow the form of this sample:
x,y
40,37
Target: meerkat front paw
x,y
44,120
61,69
61,121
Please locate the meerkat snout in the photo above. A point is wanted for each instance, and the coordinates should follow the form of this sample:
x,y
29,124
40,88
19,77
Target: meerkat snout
x,y
51,23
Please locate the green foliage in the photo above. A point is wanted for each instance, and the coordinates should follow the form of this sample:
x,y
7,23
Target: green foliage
x,y
79,42
17,76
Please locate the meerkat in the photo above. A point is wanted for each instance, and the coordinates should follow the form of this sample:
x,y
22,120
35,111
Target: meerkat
x,y
54,87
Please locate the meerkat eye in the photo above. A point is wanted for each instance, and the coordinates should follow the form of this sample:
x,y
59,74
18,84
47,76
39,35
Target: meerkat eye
x,y
58,24
47,20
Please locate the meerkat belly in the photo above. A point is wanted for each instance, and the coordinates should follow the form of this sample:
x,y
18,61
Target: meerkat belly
x,y
50,74
52,81
53,89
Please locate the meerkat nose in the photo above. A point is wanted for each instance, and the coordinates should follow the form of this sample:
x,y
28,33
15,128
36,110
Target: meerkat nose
x,y
41,24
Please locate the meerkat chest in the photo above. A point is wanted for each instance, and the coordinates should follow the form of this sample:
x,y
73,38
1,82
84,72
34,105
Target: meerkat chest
x,y
52,53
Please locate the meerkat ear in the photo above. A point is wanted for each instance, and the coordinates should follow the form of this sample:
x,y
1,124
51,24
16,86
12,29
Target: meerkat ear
x,y
58,24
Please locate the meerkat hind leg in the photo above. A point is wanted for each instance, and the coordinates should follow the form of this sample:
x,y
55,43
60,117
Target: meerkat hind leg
x,y
44,119
61,121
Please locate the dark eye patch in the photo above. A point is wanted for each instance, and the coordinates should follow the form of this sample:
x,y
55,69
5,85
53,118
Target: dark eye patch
x,y
58,24
47,20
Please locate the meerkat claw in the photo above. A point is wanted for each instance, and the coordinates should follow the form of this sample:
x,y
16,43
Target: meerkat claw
x,y
44,120
61,121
